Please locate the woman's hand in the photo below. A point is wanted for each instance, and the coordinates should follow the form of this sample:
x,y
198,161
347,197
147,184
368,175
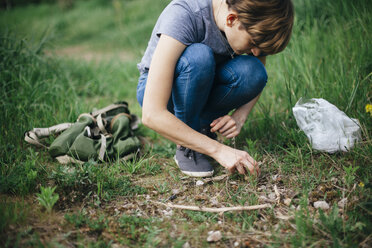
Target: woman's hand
x,y
227,126
233,159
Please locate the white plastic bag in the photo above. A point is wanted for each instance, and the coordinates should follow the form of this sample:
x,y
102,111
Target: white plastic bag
x,y
328,128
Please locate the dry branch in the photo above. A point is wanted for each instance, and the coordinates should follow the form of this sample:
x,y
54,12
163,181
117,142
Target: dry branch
x,y
214,210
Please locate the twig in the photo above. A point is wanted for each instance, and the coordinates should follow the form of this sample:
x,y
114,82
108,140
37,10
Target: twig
x,y
216,179
277,194
365,241
214,210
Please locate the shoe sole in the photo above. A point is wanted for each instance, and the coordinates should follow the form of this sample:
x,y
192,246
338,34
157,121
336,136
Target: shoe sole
x,y
195,173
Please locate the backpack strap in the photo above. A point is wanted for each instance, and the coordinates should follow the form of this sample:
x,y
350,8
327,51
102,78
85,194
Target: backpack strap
x,y
109,108
135,121
68,159
101,123
102,150
117,116
33,136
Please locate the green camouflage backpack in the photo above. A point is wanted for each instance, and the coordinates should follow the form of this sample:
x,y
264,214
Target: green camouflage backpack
x,y
102,135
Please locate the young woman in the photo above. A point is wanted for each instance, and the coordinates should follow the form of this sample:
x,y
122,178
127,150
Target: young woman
x,y
204,59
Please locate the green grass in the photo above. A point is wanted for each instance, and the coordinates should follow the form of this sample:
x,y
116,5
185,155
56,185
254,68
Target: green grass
x,y
329,56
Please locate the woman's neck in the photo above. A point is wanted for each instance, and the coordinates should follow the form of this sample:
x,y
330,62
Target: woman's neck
x,y
220,11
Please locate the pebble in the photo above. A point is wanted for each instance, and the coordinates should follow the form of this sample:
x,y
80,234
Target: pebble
x,y
275,177
175,191
321,204
236,244
168,213
186,245
199,183
287,201
342,203
272,196
213,201
214,236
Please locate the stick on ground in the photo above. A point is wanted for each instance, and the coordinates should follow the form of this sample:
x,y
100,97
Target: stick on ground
x,y
214,210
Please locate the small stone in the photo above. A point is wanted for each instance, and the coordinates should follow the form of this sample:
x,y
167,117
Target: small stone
x,y
213,201
175,191
168,213
236,244
186,245
321,204
287,201
275,177
214,236
272,196
199,183
342,203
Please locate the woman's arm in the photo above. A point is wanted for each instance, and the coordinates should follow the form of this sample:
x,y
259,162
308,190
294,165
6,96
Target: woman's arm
x,y
156,116
158,90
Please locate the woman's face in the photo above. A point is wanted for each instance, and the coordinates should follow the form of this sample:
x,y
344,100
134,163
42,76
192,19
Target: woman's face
x,y
238,38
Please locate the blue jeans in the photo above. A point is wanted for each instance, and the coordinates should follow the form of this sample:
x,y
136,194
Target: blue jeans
x,y
203,90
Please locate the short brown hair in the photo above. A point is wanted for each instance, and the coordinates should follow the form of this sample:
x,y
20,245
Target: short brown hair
x,y
269,22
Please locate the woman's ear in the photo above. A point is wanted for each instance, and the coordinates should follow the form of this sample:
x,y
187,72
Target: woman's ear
x,y
256,51
231,19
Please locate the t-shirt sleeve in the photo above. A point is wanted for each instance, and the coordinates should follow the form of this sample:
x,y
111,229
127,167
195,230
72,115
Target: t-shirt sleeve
x,y
179,23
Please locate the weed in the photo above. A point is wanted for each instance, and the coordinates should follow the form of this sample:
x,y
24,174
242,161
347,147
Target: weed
x,y
22,177
202,217
11,213
151,167
78,220
98,225
350,175
135,227
163,148
162,188
82,219
141,165
47,198
152,239
91,177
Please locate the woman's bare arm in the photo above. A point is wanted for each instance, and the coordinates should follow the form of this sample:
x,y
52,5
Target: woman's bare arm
x,y
158,90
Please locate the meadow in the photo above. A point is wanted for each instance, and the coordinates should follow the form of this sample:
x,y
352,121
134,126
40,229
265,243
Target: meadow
x,y
60,59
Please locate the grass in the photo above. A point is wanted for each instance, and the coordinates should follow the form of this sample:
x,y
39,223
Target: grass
x,y
47,77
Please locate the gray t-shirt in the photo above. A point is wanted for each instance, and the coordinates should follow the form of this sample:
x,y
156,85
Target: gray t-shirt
x,y
188,21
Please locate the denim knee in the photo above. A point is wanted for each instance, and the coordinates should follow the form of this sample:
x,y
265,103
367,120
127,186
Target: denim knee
x,y
197,59
256,73
246,73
